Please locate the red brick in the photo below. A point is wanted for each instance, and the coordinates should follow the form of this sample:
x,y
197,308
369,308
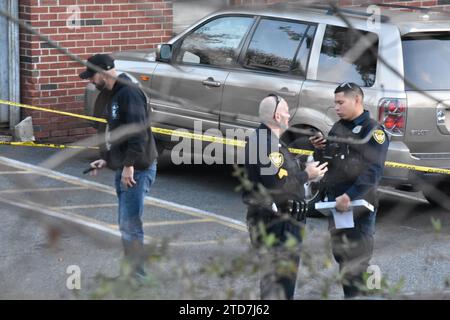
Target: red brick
x,y
124,27
58,23
77,131
58,133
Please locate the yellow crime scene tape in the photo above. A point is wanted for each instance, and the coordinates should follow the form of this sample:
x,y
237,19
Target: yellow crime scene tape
x,y
70,114
186,134
43,145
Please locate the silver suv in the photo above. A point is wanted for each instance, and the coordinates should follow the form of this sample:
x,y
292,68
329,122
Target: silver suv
x,y
219,69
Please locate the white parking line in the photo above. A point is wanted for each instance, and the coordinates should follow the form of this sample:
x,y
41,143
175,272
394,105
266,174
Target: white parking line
x,y
232,223
175,222
13,172
96,225
400,194
43,189
86,206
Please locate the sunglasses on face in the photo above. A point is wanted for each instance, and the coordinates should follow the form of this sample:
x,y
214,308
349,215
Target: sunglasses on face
x,y
346,84
277,101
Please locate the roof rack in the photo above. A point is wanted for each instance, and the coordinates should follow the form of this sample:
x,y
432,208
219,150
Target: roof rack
x,y
399,6
424,10
328,10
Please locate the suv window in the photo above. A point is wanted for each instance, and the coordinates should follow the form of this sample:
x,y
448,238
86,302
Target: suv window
x,y
276,44
342,60
426,61
216,42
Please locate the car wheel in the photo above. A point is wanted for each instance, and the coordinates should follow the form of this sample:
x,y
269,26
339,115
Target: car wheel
x,y
313,193
438,195
163,156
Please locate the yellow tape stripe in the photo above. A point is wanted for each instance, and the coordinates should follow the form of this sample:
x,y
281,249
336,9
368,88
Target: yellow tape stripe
x,y
301,151
241,143
201,137
44,145
416,168
70,114
186,134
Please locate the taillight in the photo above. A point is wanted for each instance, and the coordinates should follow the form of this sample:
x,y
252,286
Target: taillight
x,y
392,114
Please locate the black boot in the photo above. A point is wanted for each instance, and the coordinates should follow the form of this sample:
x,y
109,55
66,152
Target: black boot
x,y
134,255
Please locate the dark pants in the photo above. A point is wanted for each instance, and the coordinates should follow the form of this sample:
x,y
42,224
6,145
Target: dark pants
x,y
352,249
279,264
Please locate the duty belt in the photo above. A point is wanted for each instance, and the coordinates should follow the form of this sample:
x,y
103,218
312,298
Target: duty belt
x,y
297,209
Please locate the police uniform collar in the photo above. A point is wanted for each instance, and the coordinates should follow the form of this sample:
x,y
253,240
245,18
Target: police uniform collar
x,y
271,135
361,118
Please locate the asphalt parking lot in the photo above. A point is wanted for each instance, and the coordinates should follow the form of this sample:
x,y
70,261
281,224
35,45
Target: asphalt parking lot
x,y
40,195
197,209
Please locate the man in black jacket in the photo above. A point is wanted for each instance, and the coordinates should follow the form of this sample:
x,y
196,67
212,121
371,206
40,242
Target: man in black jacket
x,y
275,202
130,151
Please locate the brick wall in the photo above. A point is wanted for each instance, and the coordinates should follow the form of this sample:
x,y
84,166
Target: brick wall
x,y
247,2
441,4
50,79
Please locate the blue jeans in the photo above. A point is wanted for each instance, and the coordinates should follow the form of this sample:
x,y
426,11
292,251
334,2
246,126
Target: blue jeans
x,y
131,203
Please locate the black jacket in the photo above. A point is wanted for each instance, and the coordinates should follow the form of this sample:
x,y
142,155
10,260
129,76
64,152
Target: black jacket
x,y
274,168
128,106
356,169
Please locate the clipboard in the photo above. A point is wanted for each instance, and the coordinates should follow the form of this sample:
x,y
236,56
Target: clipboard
x,y
325,207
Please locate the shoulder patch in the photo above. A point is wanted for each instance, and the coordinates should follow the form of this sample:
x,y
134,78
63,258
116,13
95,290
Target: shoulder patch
x,y
379,136
282,173
115,111
277,159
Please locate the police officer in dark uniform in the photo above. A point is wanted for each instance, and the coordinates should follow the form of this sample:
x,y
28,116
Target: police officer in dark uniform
x,y
275,200
355,170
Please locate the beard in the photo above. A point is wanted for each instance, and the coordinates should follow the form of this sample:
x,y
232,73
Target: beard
x,y
100,86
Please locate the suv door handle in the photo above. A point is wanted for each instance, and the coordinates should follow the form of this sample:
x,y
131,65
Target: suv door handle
x,y
286,93
210,82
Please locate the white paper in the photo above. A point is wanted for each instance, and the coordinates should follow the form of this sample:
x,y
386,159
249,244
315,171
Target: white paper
x,y
343,220
325,207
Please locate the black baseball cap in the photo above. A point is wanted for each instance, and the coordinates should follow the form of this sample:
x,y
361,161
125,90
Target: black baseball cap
x,y
101,60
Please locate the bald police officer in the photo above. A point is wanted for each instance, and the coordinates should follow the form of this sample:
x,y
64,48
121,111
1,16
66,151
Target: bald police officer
x,y
275,202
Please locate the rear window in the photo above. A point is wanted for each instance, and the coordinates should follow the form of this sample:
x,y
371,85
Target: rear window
x,y
346,57
426,61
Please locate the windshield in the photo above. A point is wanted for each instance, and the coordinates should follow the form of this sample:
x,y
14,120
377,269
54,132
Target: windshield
x,y
426,61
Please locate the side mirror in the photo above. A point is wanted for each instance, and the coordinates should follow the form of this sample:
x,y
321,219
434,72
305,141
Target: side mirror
x,y
164,52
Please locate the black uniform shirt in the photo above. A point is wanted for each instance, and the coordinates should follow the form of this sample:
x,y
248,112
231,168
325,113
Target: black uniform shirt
x,y
359,173
269,163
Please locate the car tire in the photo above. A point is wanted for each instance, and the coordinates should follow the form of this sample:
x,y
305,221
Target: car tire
x,y
316,196
164,161
438,195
